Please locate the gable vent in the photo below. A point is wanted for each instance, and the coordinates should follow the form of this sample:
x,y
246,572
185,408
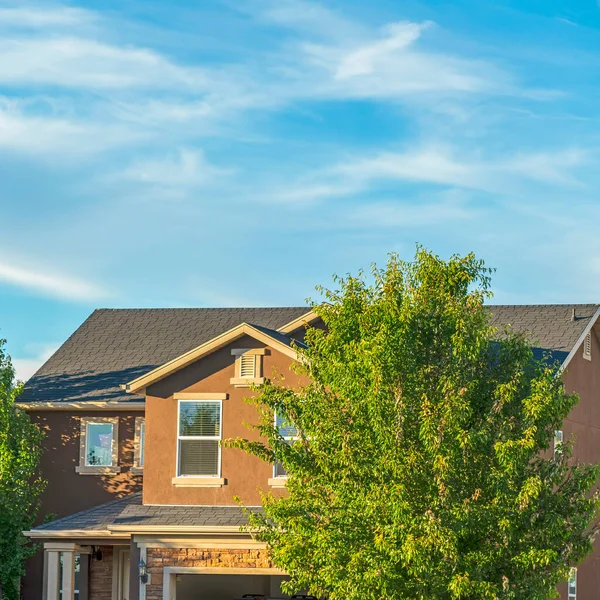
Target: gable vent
x,y
587,346
248,366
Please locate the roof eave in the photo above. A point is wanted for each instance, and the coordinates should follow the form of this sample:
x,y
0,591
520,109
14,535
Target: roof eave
x,y
580,340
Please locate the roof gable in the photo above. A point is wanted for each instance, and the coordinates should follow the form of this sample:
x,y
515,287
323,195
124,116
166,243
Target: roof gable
x,y
274,339
114,346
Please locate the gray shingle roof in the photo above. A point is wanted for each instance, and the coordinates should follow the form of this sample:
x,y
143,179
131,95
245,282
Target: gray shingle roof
x,y
548,327
114,346
96,519
190,516
129,512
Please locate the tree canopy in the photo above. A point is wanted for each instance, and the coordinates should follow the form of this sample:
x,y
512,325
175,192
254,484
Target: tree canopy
x,y
20,482
422,466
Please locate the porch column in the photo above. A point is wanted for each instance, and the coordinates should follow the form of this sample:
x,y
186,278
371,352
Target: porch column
x,y
53,579
68,575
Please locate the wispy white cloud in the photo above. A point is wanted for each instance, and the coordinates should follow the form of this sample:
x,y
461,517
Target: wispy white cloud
x,y
188,168
58,136
80,63
366,59
49,283
27,366
35,17
440,165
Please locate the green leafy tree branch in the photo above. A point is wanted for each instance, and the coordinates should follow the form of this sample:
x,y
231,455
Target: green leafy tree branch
x,y
20,482
422,468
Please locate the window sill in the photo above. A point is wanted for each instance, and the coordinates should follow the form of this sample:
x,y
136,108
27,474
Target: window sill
x,y
278,482
239,382
137,470
86,470
212,482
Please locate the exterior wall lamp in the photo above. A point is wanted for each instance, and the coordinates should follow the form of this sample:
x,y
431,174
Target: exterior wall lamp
x,y
142,572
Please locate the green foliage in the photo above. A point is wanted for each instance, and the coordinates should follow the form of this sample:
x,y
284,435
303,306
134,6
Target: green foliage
x,y
20,483
422,468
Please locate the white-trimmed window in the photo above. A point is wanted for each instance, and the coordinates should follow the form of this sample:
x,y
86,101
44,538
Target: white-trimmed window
x,y
289,433
572,585
558,440
248,366
139,444
587,346
198,438
99,447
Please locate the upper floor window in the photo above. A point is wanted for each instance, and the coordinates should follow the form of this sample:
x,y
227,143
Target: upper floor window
x,y
99,451
558,440
198,440
248,366
289,433
572,585
139,444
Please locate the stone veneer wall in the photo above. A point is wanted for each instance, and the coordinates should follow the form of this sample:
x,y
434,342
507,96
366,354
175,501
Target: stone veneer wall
x,y
157,558
101,575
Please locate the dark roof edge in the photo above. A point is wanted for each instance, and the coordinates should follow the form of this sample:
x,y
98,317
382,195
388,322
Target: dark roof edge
x,y
580,340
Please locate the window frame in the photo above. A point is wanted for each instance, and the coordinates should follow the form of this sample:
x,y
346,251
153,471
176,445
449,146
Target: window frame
x,y
557,443
219,402
139,441
572,595
83,468
280,480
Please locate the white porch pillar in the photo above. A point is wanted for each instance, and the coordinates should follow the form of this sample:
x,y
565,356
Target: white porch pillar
x,y
53,574
68,575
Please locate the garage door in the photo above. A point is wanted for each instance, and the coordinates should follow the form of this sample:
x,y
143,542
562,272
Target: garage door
x,y
226,587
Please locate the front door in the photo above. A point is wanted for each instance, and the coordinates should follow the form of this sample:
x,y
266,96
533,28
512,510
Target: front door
x,y
122,574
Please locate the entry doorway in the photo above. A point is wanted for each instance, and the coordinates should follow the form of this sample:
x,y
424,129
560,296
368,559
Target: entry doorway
x,y
121,568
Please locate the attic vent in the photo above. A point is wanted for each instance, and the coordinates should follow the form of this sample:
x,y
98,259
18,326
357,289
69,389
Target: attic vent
x,y
587,346
248,366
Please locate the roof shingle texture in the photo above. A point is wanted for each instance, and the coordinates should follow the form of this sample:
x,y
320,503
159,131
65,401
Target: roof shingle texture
x,y
129,512
115,346
548,327
96,519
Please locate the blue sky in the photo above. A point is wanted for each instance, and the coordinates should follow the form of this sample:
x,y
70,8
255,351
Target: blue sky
x,y
238,152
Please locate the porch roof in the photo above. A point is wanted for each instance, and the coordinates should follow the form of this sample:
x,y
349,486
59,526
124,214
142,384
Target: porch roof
x,y
128,515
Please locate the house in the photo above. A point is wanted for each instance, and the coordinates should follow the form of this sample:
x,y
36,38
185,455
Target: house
x,y
134,405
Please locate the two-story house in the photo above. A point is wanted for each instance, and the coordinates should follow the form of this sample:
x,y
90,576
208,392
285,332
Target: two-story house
x,y
134,406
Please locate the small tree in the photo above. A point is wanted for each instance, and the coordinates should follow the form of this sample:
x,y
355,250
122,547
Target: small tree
x,y
422,467
20,483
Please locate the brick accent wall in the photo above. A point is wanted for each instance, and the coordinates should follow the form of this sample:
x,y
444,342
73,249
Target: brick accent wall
x,y
157,558
101,575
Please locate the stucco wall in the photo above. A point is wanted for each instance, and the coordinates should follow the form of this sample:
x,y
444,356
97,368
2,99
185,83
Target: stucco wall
x,y
244,474
583,424
68,492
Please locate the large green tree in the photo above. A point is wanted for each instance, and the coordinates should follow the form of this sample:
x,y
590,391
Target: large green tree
x,y
20,482
423,466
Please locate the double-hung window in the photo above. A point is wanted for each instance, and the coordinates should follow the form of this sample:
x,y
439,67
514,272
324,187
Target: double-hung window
x,y
98,445
289,433
198,438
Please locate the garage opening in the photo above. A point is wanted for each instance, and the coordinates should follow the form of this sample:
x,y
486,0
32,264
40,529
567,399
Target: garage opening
x,y
227,587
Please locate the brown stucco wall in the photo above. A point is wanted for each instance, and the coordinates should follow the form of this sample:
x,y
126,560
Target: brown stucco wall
x,y
244,474
583,424
68,492
158,558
